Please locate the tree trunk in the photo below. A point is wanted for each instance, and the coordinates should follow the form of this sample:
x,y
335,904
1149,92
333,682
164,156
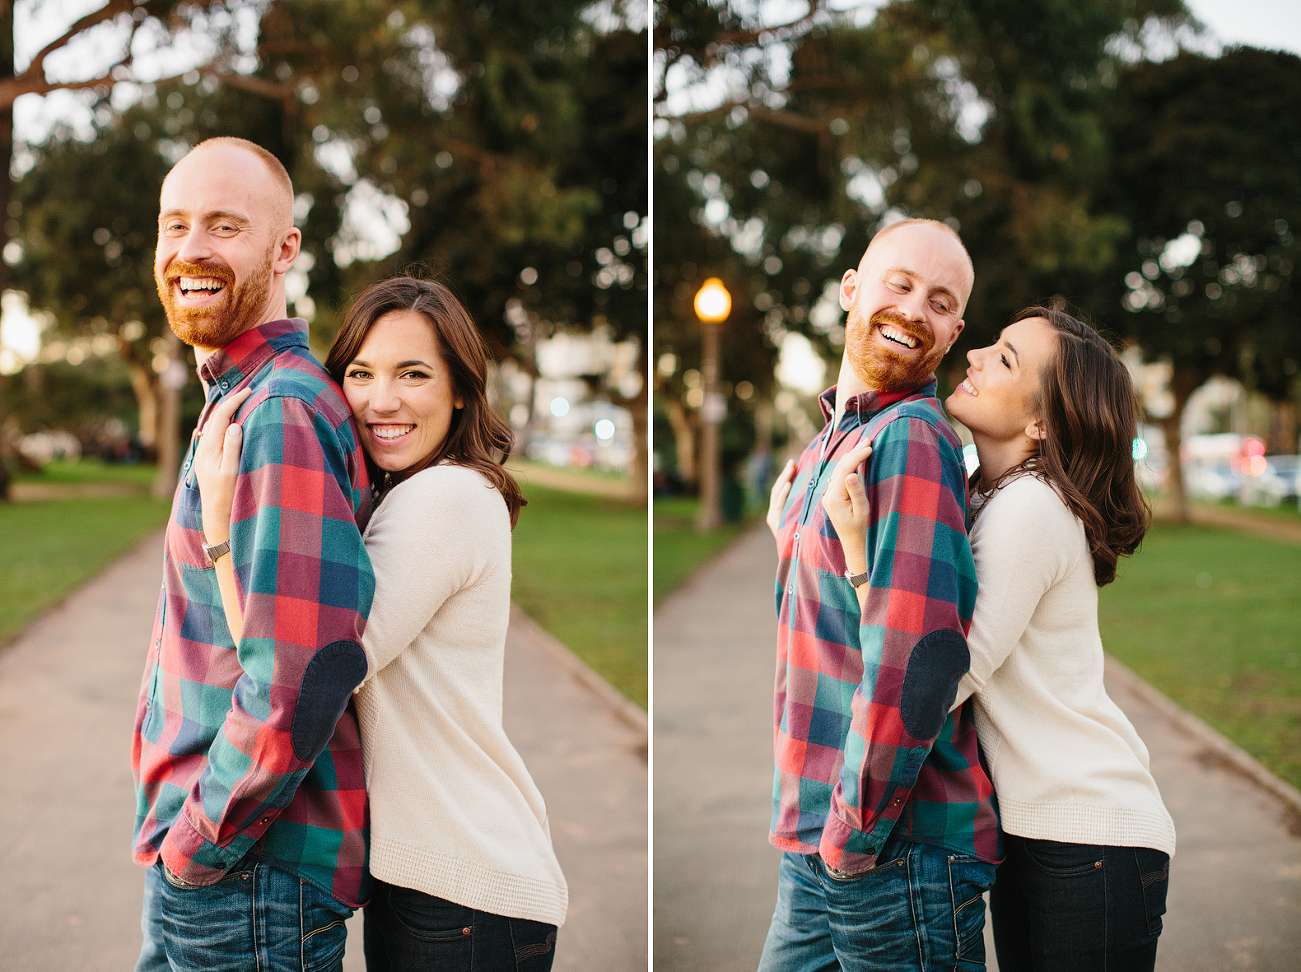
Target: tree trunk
x,y
639,406
145,385
169,419
684,442
1182,386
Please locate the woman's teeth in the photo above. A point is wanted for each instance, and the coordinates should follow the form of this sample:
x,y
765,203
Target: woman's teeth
x,y
969,388
392,431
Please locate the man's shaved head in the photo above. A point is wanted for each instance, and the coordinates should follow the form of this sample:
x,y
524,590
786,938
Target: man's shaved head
x,y
279,192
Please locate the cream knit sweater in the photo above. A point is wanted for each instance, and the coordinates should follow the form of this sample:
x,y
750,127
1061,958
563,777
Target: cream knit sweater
x,y
454,812
1066,762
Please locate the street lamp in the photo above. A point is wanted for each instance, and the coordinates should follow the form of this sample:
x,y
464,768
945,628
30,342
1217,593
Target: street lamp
x,y
713,303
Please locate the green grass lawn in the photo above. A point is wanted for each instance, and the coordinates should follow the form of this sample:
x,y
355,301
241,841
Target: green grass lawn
x,y
1212,618
50,547
679,548
579,570
579,561
64,473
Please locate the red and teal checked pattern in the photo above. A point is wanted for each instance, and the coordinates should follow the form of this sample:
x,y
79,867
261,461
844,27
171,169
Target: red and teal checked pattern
x,y
255,746
865,744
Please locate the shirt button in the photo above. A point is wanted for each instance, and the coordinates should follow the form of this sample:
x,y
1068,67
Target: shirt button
x,y
797,534
224,383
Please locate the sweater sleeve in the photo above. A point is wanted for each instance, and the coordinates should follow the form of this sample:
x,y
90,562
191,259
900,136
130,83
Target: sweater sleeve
x,y
433,535
1022,542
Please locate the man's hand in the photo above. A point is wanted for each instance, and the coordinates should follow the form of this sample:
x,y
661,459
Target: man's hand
x,y
777,499
845,501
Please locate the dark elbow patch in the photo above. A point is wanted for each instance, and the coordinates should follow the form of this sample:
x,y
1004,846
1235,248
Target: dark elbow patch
x,y
331,675
930,685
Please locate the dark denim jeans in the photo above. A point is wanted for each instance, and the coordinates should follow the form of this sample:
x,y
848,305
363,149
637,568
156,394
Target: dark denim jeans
x,y
1078,907
410,931
256,919
919,909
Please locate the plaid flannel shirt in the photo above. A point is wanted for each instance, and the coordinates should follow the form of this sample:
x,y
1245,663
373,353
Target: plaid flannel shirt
x,y
254,748
865,744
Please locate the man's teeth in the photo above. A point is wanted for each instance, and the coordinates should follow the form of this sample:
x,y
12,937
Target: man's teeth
x,y
392,431
189,286
898,337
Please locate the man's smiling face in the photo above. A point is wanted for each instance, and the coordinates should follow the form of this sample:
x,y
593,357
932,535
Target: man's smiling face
x,y
904,305
219,242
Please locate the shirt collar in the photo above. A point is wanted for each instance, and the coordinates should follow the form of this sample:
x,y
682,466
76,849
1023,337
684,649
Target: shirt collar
x,y
864,405
227,367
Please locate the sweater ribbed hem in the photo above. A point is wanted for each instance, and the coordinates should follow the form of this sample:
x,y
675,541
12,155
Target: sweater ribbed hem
x,y
1080,824
467,883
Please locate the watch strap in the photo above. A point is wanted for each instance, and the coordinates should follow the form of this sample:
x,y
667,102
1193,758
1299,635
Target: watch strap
x,y
858,580
217,549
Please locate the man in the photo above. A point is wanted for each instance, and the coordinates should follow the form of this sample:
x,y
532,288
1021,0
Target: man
x,y
880,801
251,805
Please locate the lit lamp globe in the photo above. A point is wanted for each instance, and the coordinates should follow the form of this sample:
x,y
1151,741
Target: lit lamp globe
x,y
713,303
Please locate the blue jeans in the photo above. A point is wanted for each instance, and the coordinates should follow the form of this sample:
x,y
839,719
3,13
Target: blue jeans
x,y
1078,907
919,909
256,919
410,931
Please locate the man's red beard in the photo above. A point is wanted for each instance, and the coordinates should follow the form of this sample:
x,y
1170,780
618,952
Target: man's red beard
x,y
216,325
875,362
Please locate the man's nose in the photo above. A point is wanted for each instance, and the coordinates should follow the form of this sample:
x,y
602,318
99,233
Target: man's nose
x,y
195,246
913,305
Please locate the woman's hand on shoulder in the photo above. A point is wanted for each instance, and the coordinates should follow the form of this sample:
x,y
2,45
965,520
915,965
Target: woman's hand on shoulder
x,y
777,498
845,502
216,466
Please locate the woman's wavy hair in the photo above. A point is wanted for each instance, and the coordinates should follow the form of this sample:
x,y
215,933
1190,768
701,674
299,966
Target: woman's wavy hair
x,y
478,438
1090,417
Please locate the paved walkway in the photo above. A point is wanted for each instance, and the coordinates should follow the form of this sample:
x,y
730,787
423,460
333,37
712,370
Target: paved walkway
x,y
1235,894
70,899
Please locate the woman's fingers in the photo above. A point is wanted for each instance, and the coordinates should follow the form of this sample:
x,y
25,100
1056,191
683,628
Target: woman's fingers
x,y
781,489
231,444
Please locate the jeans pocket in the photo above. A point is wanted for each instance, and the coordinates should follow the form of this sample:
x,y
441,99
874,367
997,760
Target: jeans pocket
x,y
1154,875
1060,859
534,944
323,945
969,879
430,919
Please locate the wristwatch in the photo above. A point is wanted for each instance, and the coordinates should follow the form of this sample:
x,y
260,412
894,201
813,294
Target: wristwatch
x,y
217,549
858,580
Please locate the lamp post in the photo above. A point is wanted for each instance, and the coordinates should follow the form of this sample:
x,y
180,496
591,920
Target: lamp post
x,y
713,303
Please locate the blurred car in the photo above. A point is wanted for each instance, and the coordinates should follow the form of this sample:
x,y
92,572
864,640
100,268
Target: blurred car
x,y
1213,481
1276,483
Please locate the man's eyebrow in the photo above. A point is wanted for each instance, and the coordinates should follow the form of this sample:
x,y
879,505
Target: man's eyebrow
x,y
217,215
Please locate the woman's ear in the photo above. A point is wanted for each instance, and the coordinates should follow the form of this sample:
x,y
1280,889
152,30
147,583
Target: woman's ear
x,y
1035,431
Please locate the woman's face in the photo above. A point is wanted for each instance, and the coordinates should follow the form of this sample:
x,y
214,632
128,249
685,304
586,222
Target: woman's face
x,y
400,391
995,401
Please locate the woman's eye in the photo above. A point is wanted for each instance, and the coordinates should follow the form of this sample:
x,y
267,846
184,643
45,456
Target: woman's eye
x,y
1006,364
357,374
415,374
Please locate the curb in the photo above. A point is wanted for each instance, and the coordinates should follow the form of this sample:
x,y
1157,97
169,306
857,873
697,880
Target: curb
x,y
1237,757
627,712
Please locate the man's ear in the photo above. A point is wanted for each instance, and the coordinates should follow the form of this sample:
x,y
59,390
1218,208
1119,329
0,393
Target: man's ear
x,y
287,253
1035,431
848,288
957,329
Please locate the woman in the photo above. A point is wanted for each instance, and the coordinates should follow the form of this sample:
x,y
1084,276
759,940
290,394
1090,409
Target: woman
x,y
459,845
1087,838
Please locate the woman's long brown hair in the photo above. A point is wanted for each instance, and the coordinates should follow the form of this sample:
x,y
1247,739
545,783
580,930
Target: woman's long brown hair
x,y
478,438
1090,416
